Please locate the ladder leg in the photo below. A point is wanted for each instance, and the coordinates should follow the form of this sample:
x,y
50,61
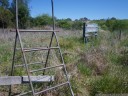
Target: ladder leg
x,y
52,4
53,33
48,52
13,59
25,62
66,73
62,59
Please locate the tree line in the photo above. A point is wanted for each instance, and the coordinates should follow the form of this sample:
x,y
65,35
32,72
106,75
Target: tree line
x,y
113,24
7,17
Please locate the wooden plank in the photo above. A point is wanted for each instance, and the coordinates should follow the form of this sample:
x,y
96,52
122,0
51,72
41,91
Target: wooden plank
x,y
91,28
93,34
38,79
21,30
11,80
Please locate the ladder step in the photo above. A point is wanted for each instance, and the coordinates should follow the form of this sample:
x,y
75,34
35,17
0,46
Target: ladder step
x,y
11,80
37,49
59,85
35,30
47,68
21,65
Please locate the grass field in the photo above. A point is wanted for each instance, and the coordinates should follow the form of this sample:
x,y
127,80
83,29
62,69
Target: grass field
x,y
98,67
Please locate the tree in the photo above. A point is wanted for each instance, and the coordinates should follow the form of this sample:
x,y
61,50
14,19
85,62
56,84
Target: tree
x,y
77,25
68,19
23,16
43,20
5,14
110,23
23,12
64,24
113,18
4,3
119,25
83,19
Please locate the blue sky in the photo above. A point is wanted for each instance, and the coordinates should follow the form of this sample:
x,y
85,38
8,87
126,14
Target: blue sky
x,y
75,9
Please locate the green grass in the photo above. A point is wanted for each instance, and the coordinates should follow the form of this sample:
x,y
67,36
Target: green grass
x,y
5,59
106,55
108,85
71,43
84,70
113,80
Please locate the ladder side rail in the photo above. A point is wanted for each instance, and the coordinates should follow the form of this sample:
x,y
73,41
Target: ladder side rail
x,y
48,52
25,62
13,59
52,3
53,33
64,66
21,45
16,10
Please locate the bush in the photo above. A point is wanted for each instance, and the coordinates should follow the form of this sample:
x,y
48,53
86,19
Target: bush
x,y
64,24
43,20
77,25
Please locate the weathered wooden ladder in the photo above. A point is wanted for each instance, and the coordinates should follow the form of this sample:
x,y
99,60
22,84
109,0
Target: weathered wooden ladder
x,y
29,78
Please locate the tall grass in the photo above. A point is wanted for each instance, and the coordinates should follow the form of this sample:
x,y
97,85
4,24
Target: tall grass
x,y
97,67
100,65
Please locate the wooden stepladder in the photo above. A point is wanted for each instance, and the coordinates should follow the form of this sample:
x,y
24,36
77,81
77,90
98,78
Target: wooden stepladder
x,y
38,78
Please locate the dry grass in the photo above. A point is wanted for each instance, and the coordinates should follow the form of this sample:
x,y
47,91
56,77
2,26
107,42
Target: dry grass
x,y
92,67
31,40
95,60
